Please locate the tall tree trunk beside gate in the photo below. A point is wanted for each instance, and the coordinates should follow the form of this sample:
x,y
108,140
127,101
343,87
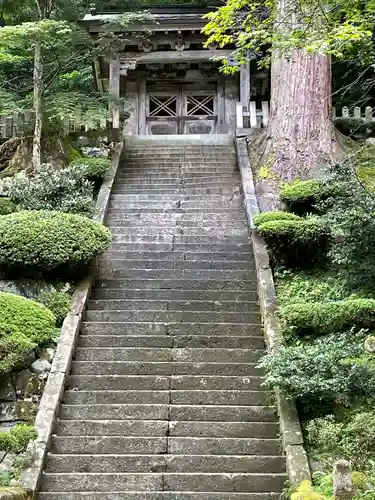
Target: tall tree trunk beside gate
x,y
38,105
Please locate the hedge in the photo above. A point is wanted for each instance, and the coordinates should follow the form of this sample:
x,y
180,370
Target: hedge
x,y
295,243
6,206
92,169
320,318
36,242
302,197
272,216
24,324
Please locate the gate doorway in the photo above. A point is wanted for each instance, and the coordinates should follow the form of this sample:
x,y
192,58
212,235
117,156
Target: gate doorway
x,y
181,109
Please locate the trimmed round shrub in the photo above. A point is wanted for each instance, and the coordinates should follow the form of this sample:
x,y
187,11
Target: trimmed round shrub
x,y
34,242
92,169
272,216
6,206
295,243
320,318
302,197
24,324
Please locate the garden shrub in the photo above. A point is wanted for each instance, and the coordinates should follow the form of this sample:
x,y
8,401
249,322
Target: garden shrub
x,y
92,169
24,324
305,491
17,438
333,369
7,206
37,242
58,303
295,243
320,318
49,188
272,216
352,439
303,197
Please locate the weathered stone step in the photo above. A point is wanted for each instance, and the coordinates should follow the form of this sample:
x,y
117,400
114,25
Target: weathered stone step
x,y
127,192
172,305
185,256
151,184
118,225
173,274
156,382
159,354
226,233
178,284
182,247
188,219
190,397
176,264
160,236
164,463
157,428
157,495
173,316
179,341
210,413
195,206
163,368
110,444
168,209
239,482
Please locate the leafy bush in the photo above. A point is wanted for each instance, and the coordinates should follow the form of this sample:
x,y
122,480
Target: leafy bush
x,y
272,216
58,303
24,324
363,485
17,438
295,243
303,197
352,439
333,369
90,168
305,491
6,206
320,318
51,189
36,242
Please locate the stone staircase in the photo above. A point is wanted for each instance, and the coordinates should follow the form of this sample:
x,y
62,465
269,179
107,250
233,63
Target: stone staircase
x,y
164,400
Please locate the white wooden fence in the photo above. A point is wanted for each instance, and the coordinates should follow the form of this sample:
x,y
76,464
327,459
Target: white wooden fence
x,y
21,123
254,117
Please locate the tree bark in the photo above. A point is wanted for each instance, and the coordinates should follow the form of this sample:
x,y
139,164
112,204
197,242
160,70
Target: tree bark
x,y
38,105
300,138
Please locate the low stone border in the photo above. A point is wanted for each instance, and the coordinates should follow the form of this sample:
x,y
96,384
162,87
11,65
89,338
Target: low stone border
x,y
296,457
55,385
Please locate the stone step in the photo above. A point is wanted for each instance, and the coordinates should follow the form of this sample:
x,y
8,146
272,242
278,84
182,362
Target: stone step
x,y
208,413
171,329
165,224
180,218
152,294
168,177
155,382
173,316
173,305
176,264
235,233
195,193
179,341
182,256
120,482
187,248
163,463
174,274
180,183
156,495
159,428
172,209
199,355
163,368
178,284
159,236
190,397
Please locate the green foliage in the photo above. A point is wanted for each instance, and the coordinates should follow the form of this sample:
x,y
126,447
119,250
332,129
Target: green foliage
x,y
295,243
17,438
49,188
352,439
39,242
333,369
321,318
24,324
6,206
305,491
303,197
90,168
58,303
272,216
363,485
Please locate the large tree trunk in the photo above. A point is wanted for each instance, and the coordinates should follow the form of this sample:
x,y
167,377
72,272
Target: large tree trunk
x,y
38,105
300,138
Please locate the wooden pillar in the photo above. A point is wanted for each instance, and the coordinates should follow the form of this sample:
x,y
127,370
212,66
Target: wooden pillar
x,y
245,84
221,128
114,89
231,98
142,108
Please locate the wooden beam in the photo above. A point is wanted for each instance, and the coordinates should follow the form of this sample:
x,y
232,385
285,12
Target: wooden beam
x,y
170,56
245,84
114,89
